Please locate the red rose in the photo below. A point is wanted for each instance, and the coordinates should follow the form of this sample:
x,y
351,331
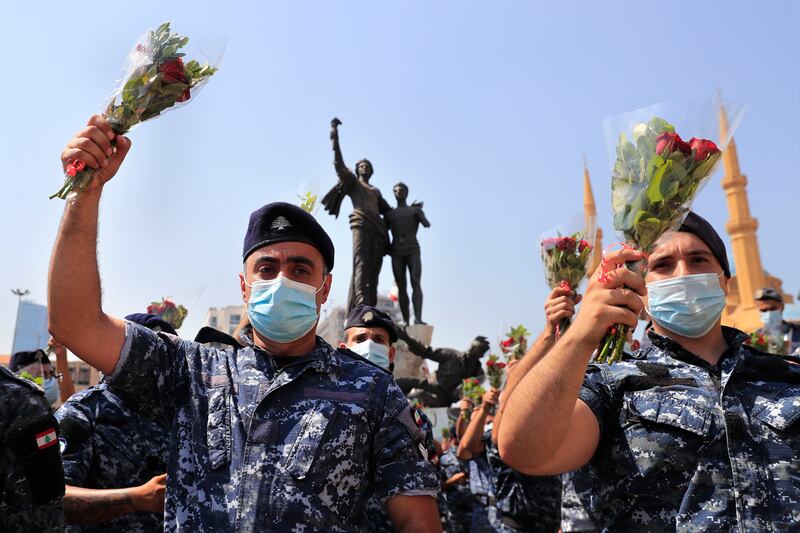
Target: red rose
x,y
507,343
490,363
670,142
71,171
566,244
582,245
703,148
172,72
79,165
501,365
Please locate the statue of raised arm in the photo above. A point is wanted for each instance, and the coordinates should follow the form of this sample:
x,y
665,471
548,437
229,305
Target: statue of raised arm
x,y
370,235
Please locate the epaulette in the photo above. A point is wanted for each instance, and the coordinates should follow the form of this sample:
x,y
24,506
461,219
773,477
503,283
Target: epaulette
x,y
352,355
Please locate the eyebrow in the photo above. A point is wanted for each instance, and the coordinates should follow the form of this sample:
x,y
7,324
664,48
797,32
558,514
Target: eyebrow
x,y
692,253
299,259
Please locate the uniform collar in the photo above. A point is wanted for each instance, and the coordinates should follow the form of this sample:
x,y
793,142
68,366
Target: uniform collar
x,y
733,337
323,358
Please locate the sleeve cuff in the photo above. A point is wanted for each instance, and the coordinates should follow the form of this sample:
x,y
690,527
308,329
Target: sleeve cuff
x,y
125,351
411,478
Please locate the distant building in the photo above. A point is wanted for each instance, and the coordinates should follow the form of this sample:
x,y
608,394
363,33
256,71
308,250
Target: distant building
x,y
225,318
83,375
30,332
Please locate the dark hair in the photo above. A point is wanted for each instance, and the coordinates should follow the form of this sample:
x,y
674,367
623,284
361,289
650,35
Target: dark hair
x,y
371,168
401,184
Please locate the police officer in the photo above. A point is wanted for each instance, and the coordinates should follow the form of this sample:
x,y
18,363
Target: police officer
x,y
370,334
472,451
115,457
31,474
285,433
696,432
786,334
455,487
35,366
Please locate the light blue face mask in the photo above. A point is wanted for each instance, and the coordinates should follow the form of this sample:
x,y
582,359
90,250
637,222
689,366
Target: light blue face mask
x,y
686,305
772,319
281,309
51,390
373,352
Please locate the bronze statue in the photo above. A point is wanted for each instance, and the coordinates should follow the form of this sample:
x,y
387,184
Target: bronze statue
x,y
370,236
441,388
404,221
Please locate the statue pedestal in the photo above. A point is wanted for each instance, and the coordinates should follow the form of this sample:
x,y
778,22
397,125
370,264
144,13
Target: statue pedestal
x,y
406,364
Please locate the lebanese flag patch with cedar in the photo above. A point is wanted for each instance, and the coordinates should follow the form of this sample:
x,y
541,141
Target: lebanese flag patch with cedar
x,y
46,438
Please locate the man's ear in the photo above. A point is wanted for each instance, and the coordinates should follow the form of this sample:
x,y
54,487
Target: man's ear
x,y
724,283
243,287
343,346
392,352
326,288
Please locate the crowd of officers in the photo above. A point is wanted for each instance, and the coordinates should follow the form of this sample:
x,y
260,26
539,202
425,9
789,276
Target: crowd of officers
x,y
273,429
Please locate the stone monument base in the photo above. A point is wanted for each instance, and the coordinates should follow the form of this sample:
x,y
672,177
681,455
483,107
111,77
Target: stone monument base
x,y
406,364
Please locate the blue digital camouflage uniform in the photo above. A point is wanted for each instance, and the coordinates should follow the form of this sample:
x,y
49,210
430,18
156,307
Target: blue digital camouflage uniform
x,y
31,475
298,448
422,430
481,485
459,500
106,443
574,515
524,503
689,446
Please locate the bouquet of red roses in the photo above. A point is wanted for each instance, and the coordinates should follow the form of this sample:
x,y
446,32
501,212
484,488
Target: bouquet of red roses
x,y
767,343
565,261
655,178
472,390
495,371
516,342
168,311
156,80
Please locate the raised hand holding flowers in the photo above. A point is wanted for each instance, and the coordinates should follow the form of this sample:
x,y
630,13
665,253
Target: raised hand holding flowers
x,y
516,342
156,80
495,370
655,177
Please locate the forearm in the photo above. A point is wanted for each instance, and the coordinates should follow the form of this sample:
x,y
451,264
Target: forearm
x,y
74,309
535,353
67,387
94,506
472,440
539,410
461,425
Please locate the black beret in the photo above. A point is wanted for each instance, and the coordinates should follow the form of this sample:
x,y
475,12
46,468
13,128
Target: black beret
x,y
768,293
281,222
700,227
152,321
23,359
366,316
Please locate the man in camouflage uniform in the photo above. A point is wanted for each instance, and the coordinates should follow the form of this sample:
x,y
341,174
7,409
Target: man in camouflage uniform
x,y
455,487
284,433
696,432
115,458
786,335
31,474
370,335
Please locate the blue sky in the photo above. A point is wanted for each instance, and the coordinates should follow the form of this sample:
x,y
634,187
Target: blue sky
x,y
483,109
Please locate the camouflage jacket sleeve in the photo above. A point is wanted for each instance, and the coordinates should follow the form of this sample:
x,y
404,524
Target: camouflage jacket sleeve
x,y
400,454
32,478
597,393
77,427
152,368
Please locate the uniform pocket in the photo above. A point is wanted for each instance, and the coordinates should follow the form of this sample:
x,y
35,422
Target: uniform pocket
x,y
219,427
664,432
780,412
670,409
309,438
